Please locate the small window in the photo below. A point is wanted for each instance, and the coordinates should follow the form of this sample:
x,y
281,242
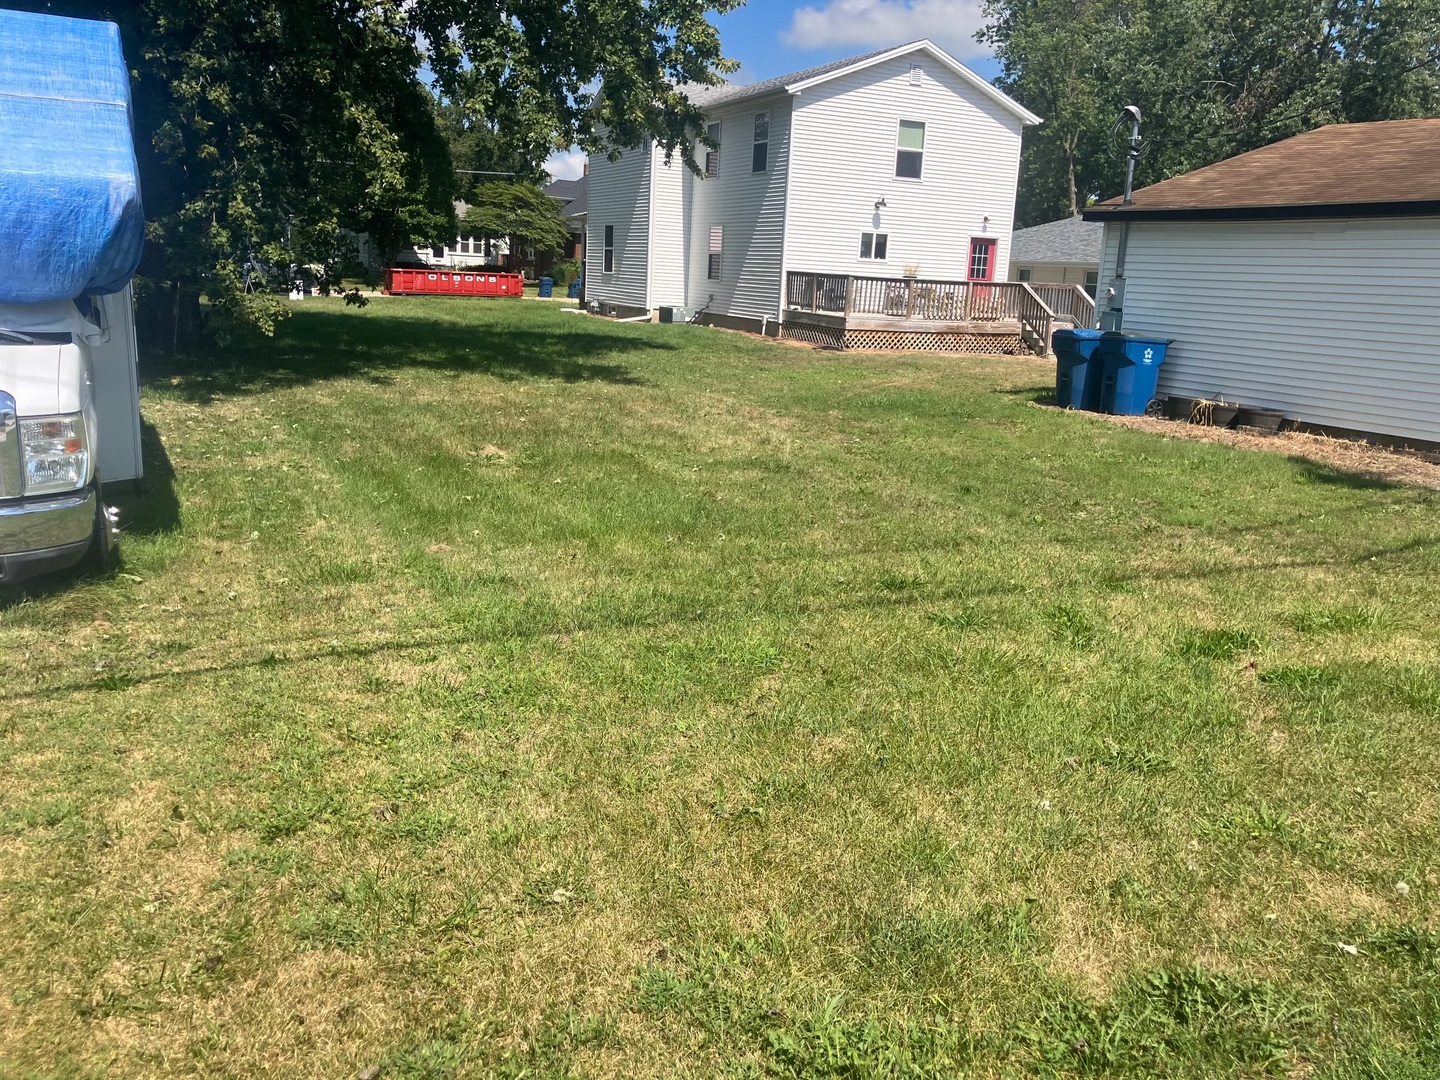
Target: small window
x,y
717,247
712,157
760,156
917,75
910,150
982,259
437,252
1092,282
608,259
1024,273
874,245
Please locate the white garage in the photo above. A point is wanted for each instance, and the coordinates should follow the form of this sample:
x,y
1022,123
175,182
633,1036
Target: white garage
x,y
1304,276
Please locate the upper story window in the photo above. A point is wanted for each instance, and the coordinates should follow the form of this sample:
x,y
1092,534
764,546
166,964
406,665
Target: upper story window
x,y
712,156
760,156
608,258
910,150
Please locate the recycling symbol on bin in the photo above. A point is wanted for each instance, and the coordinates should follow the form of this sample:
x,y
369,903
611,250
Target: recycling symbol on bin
x,y
1149,354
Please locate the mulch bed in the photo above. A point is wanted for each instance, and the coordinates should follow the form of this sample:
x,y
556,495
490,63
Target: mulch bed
x,y
1361,458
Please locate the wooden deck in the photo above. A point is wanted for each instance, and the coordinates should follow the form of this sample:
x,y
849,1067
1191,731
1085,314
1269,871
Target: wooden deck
x,y
846,312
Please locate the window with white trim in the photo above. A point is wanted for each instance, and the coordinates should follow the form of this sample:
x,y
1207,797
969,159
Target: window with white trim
x,y
717,248
712,156
874,245
760,156
607,264
910,150
1023,274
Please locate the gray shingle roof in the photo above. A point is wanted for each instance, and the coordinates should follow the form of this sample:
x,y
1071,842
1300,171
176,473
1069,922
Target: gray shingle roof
x,y
709,97
566,189
1069,240
572,194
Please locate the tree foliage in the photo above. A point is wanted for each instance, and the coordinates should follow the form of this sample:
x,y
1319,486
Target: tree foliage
x,y
1213,77
521,212
270,130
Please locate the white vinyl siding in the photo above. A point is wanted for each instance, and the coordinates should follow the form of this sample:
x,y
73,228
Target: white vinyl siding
x,y
667,232
843,154
619,195
1333,322
750,208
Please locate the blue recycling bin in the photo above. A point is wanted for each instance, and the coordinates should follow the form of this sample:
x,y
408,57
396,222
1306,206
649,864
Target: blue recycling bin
x,y
1129,370
573,292
1077,376
547,287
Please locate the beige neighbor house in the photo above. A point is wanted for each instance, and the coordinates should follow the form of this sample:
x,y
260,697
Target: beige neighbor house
x,y
1064,252
1302,277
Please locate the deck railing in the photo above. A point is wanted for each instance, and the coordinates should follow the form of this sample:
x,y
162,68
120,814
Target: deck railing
x,y
1070,303
926,300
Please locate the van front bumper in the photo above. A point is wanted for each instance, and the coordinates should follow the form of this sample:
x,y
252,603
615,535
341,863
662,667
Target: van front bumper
x,y
41,535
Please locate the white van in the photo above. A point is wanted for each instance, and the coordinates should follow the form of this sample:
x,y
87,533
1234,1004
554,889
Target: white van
x,y
69,422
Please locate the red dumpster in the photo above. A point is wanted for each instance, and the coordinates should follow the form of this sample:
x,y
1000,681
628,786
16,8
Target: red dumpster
x,y
429,282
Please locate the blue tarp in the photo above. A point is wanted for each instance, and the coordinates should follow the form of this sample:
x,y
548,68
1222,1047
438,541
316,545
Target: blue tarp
x,y
70,217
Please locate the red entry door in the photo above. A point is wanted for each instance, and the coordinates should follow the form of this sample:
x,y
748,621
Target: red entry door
x,y
982,259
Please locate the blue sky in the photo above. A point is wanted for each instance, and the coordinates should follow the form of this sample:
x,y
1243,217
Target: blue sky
x,y
773,37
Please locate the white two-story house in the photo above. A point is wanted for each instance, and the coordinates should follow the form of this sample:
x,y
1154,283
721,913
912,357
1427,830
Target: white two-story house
x,y
899,163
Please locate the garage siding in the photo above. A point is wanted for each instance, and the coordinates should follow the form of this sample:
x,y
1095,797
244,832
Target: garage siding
x,y
1335,322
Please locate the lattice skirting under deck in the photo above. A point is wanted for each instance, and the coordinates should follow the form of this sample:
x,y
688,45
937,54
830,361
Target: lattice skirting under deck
x,y
832,337
930,342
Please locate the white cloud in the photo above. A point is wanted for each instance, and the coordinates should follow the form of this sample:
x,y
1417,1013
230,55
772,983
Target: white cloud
x,y
881,23
566,164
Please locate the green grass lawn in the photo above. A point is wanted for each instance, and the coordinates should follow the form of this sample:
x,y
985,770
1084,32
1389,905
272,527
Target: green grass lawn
x,y
489,691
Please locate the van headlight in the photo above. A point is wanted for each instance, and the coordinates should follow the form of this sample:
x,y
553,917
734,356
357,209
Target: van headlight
x,y
56,452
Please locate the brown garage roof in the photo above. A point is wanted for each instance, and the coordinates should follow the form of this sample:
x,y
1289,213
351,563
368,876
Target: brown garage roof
x,y
1345,170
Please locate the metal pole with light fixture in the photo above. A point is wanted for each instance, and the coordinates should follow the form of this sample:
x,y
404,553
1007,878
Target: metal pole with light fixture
x,y
1115,294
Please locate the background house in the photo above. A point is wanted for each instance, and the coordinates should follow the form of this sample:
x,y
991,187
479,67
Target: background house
x,y
466,250
573,197
1064,252
1303,276
898,159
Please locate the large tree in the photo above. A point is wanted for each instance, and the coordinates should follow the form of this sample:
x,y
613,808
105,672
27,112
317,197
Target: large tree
x,y
520,212
1213,77
268,130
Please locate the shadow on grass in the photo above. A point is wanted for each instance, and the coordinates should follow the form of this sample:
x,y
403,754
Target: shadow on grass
x,y
1317,472
333,343
148,507
1039,395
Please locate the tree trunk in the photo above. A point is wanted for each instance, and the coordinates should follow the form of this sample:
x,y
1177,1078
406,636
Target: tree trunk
x,y
1070,173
